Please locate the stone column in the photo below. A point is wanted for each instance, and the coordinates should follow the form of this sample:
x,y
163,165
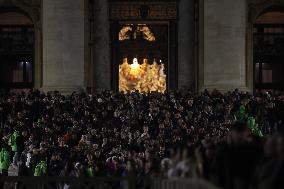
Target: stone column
x,y
102,60
224,51
38,56
186,69
63,45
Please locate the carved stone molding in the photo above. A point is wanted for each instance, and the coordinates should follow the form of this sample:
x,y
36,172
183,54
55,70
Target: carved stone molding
x,y
143,10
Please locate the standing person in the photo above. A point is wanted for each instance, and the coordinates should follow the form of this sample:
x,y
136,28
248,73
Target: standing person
x,y
40,169
4,162
13,144
20,143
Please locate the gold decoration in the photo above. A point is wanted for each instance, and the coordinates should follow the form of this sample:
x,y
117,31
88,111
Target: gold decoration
x,y
144,78
123,33
147,33
131,10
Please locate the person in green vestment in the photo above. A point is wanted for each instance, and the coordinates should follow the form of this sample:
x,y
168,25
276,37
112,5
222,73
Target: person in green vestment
x,y
40,169
13,141
251,123
4,161
241,114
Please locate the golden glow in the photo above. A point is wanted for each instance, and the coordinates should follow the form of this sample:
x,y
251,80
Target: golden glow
x,y
144,78
147,33
123,33
134,64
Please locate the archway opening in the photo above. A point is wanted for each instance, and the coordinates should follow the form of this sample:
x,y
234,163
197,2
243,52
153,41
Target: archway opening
x,y
16,49
143,57
268,48
144,41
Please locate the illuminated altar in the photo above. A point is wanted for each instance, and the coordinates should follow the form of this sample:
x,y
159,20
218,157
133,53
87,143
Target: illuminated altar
x,y
144,50
144,78
138,71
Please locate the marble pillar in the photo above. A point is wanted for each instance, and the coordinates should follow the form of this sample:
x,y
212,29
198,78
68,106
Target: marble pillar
x,y
63,45
102,58
222,52
186,68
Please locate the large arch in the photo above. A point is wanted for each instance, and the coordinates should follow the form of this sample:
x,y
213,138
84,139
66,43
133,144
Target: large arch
x,y
271,16
32,9
17,49
268,50
255,9
14,17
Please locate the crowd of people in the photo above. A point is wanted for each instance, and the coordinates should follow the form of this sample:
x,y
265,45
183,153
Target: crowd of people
x,y
234,140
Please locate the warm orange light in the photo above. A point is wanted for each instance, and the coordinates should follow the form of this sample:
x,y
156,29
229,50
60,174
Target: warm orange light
x,y
144,78
134,64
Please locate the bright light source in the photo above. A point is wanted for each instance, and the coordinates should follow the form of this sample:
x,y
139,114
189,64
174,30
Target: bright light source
x,y
134,64
160,61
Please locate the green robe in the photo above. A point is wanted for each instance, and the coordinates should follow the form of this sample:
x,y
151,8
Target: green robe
x,y
241,115
13,141
40,169
4,159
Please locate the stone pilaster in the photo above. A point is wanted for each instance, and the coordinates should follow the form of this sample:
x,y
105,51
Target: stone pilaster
x,y
102,61
186,69
222,52
63,45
